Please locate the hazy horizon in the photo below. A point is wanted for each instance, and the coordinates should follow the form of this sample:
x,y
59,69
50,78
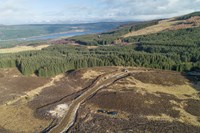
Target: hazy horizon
x,y
16,12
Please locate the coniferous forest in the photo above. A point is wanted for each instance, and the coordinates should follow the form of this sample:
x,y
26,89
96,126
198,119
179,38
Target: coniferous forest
x,y
177,50
58,59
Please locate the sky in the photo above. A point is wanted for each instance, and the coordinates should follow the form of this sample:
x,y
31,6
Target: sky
x,y
84,11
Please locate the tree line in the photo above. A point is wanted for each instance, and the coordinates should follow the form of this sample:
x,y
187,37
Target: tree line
x,y
58,59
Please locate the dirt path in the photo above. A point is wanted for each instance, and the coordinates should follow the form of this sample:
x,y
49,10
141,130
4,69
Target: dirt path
x,y
69,118
31,94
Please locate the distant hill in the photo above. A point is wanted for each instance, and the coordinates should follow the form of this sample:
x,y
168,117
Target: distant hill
x,y
24,31
180,27
13,35
184,17
187,21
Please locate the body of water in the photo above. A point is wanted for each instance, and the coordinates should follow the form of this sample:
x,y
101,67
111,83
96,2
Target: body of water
x,y
59,35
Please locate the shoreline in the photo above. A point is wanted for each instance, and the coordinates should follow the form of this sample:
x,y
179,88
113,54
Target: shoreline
x,y
46,35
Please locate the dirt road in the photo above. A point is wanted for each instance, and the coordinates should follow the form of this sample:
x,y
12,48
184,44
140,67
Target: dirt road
x,y
69,118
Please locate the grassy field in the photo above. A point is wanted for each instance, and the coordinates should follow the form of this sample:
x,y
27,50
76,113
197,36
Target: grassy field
x,y
21,49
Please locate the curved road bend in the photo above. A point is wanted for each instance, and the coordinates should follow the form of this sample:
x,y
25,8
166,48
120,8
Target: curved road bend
x,y
69,118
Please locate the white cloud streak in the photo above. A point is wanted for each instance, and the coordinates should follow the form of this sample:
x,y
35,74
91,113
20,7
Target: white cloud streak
x,y
20,11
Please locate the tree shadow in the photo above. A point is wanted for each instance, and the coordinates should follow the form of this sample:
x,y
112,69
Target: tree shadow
x,y
194,79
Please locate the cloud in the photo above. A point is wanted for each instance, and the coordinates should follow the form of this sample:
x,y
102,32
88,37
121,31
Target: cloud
x,y
150,9
12,11
64,11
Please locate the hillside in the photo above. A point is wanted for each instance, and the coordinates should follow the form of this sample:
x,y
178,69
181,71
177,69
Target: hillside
x,y
151,50
168,25
190,21
184,17
182,37
143,100
139,77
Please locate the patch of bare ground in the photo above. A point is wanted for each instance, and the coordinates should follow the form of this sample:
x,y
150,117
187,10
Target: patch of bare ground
x,y
94,72
92,47
91,74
